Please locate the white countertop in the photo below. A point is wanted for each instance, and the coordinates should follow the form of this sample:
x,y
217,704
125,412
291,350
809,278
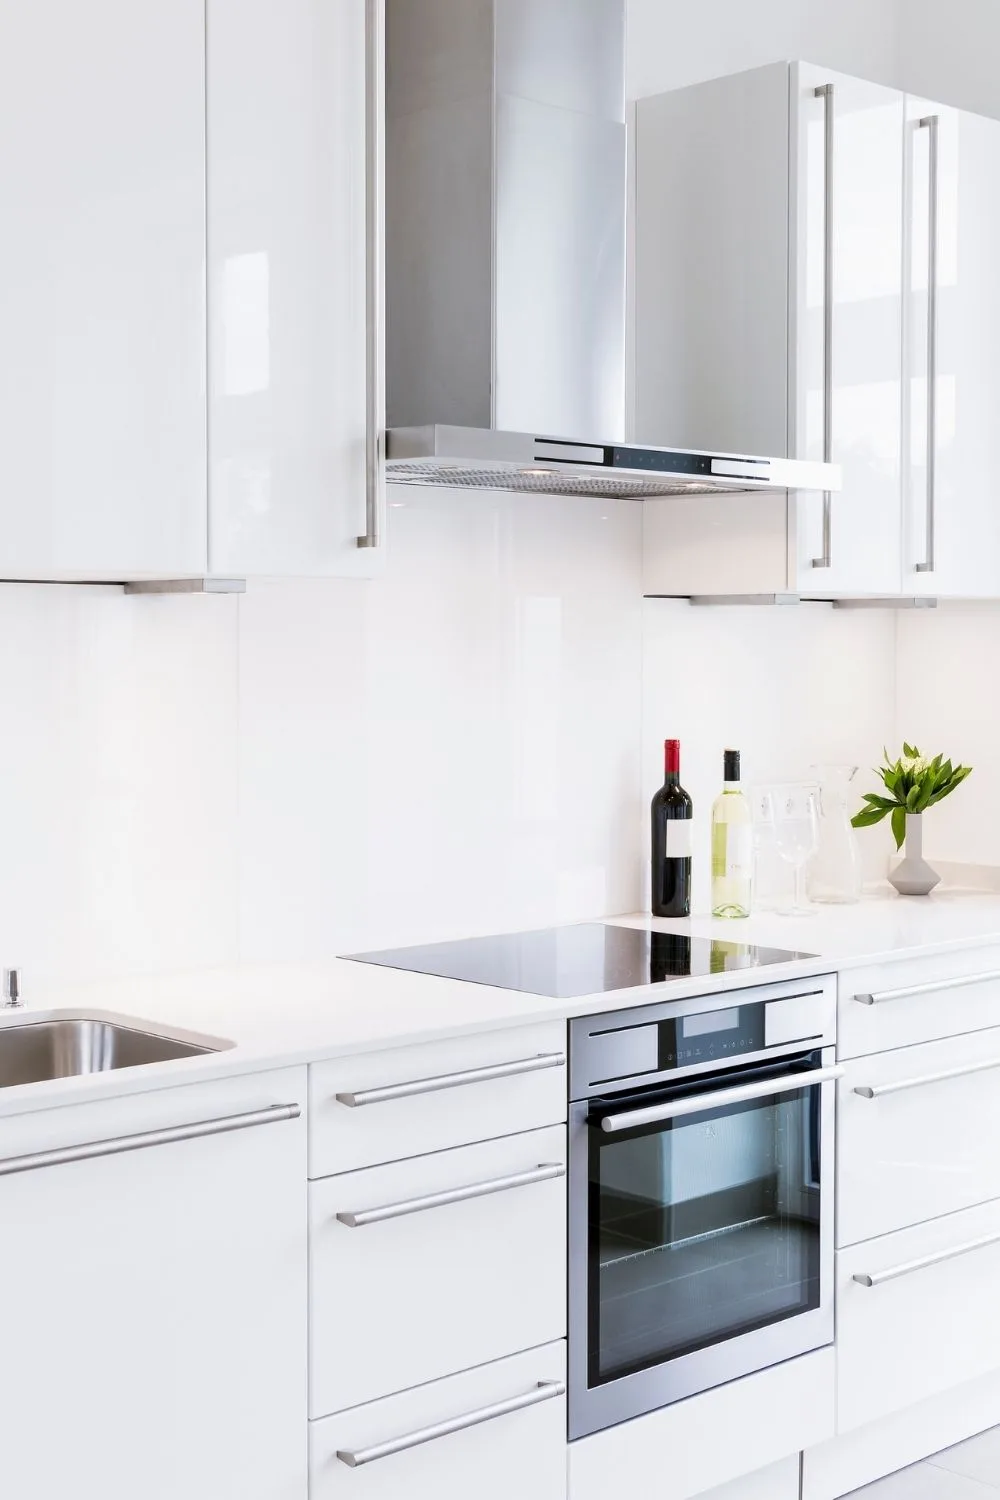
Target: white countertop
x,y
283,1015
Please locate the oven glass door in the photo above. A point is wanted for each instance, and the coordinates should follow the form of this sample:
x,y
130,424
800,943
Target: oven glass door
x,y
704,1226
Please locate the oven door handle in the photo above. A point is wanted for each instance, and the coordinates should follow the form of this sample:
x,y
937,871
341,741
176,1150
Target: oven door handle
x,y
698,1103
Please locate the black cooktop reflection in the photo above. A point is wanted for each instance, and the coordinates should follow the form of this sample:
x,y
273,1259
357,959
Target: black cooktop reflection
x,y
587,959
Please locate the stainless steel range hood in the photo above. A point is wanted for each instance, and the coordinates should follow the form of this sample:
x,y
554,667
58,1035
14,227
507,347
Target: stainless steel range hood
x,y
505,259
474,458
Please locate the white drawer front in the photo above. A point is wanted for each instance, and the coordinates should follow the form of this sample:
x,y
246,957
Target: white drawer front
x,y
882,1006
713,1439
505,1436
930,1321
416,1295
412,1100
925,1142
776,1482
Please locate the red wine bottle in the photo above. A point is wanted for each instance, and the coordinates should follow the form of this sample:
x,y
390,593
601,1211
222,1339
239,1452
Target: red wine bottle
x,y
671,830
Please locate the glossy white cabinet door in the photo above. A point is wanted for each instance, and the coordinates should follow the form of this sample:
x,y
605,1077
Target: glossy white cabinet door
x,y
288,381
952,534
504,1435
153,1303
102,324
861,553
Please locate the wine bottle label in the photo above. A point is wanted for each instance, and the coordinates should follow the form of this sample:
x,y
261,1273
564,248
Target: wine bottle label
x,y
679,841
739,850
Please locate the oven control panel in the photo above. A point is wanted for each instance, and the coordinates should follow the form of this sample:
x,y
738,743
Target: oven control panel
x,y
634,1046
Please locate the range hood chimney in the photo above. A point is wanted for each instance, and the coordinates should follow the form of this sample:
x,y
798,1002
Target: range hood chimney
x,y
505,258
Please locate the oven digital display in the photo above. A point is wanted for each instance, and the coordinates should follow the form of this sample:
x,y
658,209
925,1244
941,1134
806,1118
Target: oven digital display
x,y
711,1036
709,1021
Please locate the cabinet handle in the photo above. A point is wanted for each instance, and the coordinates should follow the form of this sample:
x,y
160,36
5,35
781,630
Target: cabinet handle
x,y
356,1100
374,535
876,1090
934,988
825,92
543,1173
546,1390
116,1147
930,123
719,1098
876,1278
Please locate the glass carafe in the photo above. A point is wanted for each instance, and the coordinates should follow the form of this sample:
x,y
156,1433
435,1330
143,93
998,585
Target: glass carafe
x,y
835,869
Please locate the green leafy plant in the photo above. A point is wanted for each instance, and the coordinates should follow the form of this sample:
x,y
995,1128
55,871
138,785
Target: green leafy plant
x,y
913,784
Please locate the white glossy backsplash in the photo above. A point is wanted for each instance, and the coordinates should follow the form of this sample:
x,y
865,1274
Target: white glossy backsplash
x,y
321,766
788,686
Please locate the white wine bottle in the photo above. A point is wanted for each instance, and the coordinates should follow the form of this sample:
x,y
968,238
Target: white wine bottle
x,y
732,844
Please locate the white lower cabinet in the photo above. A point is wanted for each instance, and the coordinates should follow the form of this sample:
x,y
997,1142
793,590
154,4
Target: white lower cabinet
x,y
917,1313
917,1132
153,1296
428,1266
491,1433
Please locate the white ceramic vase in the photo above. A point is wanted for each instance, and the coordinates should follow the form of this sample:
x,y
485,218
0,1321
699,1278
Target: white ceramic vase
x,y
914,876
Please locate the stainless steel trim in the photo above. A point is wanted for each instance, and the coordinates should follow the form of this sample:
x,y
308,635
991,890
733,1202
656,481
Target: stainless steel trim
x,y
187,586
876,1090
714,600
931,124
913,601
223,1125
959,982
876,1278
546,1390
356,1099
718,1099
487,458
825,92
12,990
545,1172
375,500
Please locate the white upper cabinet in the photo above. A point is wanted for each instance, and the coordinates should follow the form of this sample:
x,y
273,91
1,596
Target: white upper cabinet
x,y
293,384
952,390
102,318
845,322
768,304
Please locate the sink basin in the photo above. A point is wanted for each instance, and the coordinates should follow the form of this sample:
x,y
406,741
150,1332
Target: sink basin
x,y
41,1050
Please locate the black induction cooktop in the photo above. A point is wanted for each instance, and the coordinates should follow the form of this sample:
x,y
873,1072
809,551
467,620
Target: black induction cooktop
x,y
589,958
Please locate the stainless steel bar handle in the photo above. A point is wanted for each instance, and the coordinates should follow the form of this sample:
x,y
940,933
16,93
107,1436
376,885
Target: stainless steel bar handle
x,y
546,1390
718,1099
877,1090
374,534
931,124
825,92
359,1097
876,1278
164,1137
960,982
543,1173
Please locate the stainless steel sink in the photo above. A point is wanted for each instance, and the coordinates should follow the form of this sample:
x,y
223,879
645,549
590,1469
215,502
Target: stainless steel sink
x,y
41,1050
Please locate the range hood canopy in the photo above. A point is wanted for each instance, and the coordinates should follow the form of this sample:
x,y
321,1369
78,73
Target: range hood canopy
x,y
505,259
477,458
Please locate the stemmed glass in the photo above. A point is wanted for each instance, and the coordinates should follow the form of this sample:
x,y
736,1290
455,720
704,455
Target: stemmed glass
x,y
795,816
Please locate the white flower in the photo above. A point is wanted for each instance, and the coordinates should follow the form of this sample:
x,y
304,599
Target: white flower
x,y
915,764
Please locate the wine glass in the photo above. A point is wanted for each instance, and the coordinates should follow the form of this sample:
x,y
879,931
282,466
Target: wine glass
x,y
764,836
795,813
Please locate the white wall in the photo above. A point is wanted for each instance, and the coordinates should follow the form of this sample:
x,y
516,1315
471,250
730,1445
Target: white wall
x,y
673,42
949,52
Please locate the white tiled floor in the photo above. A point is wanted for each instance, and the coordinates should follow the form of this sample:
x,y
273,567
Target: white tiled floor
x,y
969,1471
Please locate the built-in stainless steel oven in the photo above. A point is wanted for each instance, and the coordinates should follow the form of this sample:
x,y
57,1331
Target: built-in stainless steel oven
x,y
701,1194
